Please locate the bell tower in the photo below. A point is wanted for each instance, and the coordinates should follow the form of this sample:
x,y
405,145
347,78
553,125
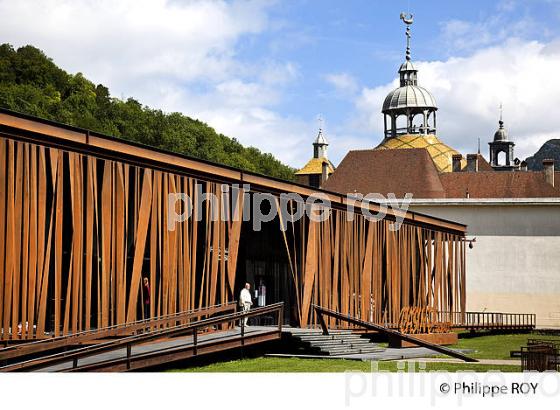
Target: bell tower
x,y
501,149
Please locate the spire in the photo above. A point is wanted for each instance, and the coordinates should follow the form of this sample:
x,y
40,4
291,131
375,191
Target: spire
x,y
408,19
407,71
320,144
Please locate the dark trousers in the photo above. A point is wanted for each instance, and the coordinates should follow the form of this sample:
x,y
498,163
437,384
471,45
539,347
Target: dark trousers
x,y
146,311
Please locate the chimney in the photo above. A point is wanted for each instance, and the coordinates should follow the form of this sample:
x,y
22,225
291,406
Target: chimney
x,y
324,172
456,162
548,165
472,162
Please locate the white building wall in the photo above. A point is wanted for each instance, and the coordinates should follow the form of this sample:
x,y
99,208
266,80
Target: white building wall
x,y
515,263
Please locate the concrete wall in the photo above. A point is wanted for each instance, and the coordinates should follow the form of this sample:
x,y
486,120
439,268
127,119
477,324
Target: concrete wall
x,y
515,263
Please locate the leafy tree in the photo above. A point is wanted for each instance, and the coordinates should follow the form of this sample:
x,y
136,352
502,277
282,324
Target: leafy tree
x,y
31,83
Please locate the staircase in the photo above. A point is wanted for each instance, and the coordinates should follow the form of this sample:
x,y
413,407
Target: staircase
x,y
338,342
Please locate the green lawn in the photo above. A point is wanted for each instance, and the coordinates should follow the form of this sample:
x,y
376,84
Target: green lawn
x,y
485,347
296,365
497,346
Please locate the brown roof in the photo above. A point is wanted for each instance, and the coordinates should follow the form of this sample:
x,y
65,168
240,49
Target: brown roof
x,y
484,165
402,171
397,171
497,184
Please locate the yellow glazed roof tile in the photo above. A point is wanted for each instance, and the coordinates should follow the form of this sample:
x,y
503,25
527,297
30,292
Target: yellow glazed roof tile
x,y
315,166
441,154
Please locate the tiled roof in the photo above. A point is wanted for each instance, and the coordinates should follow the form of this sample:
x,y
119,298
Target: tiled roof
x,y
497,184
396,171
315,166
402,171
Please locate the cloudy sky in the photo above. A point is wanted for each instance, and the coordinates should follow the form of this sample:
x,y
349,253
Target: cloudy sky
x,y
262,71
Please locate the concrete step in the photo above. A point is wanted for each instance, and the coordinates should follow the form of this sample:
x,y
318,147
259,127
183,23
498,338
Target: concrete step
x,y
335,343
331,337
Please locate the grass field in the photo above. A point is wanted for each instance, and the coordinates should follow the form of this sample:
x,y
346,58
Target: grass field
x,y
297,365
486,347
497,346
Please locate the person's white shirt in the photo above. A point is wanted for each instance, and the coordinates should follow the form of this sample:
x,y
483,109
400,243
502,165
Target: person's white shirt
x,y
245,296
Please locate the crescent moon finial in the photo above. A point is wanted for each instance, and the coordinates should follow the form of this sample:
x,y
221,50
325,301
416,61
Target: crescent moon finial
x,y
407,18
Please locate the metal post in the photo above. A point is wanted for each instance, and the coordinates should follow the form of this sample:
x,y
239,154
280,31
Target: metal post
x,y
195,341
128,351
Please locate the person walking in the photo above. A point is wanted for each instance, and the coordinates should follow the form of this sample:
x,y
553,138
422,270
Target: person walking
x,y
245,301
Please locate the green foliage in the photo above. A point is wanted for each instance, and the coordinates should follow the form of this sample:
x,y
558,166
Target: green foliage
x,y
31,83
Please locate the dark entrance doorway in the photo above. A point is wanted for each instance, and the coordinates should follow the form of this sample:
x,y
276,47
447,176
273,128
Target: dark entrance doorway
x,y
263,262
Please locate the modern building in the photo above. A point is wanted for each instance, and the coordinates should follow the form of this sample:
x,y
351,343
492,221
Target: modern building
x,y
85,217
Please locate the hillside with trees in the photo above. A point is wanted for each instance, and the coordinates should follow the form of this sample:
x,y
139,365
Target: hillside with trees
x,y
31,83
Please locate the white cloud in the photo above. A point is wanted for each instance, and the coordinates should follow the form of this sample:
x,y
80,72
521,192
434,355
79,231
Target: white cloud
x,y
174,55
343,82
520,74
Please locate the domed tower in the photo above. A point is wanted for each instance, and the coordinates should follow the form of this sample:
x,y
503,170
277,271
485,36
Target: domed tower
x,y
319,168
409,101
502,144
409,114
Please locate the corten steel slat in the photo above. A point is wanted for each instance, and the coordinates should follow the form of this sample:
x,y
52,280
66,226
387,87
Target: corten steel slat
x,y
116,330
106,211
10,246
174,331
43,266
89,222
24,242
113,258
3,162
159,218
214,227
153,245
57,161
17,239
97,231
70,273
235,234
336,263
180,252
187,183
194,241
77,242
33,232
120,243
309,272
172,256
143,219
165,246
223,246
392,333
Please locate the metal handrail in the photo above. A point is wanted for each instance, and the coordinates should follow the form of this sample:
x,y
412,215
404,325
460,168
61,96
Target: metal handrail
x,y
489,319
113,330
390,332
127,342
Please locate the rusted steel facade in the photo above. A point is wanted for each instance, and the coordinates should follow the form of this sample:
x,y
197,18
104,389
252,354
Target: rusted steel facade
x,y
83,218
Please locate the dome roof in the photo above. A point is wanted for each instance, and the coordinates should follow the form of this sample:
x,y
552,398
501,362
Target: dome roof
x,y
409,96
501,134
441,154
